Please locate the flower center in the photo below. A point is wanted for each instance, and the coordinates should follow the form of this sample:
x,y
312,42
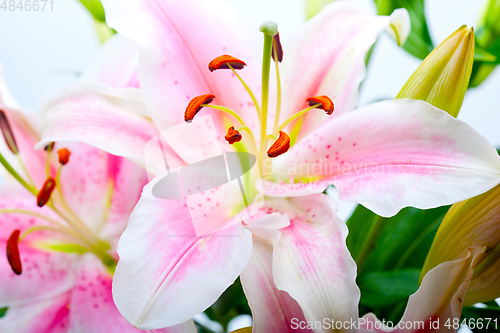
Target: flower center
x,y
68,224
272,50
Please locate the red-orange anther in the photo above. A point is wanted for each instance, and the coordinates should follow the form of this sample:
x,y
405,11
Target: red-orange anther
x,y
280,146
233,135
223,61
63,155
13,252
44,195
325,103
194,106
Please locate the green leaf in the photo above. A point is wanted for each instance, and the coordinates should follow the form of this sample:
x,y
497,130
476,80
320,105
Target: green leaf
x,y
402,242
380,289
230,304
488,317
3,311
419,42
95,8
482,55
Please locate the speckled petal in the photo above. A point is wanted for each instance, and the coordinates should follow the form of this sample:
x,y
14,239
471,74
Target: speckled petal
x,y
92,307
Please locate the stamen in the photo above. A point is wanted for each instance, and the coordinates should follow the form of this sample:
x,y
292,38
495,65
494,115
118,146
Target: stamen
x,y
44,195
277,48
63,155
233,135
195,105
7,133
280,146
49,147
223,61
13,252
325,103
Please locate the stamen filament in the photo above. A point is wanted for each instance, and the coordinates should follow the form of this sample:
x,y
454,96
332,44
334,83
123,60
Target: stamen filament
x,y
278,98
297,115
41,227
47,160
23,166
225,110
46,218
18,177
249,91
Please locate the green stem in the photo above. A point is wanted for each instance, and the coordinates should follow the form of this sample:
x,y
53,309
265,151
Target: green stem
x,y
266,66
278,100
370,241
14,174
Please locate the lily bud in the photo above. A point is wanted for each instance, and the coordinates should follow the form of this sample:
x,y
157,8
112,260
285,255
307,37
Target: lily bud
x,y
443,77
472,223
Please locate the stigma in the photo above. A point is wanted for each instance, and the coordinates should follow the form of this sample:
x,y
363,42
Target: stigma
x,y
280,146
325,103
224,61
195,105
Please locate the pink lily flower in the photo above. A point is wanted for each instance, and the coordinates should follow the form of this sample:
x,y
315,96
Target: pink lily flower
x,y
45,284
385,156
315,301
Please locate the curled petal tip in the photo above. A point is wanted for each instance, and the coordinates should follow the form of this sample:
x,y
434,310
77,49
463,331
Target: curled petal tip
x,y
280,146
325,103
195,105
224,61
13,252
233,135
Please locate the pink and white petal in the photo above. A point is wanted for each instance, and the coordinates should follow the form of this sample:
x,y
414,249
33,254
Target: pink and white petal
x,y
311,262
438,301
177,48
49,315
128,180
399,26
116,64
45,273
394,154
109,119
102,189
273,310
26,135
328,58
92,307
166,274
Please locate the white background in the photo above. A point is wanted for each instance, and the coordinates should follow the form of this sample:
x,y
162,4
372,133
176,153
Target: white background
x,y
44,51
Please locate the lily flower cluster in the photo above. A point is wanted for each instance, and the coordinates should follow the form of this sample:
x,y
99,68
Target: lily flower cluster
x,y
274,228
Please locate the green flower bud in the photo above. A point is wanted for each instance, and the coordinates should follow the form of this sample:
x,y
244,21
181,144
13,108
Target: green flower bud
x,y
443,77
473,223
